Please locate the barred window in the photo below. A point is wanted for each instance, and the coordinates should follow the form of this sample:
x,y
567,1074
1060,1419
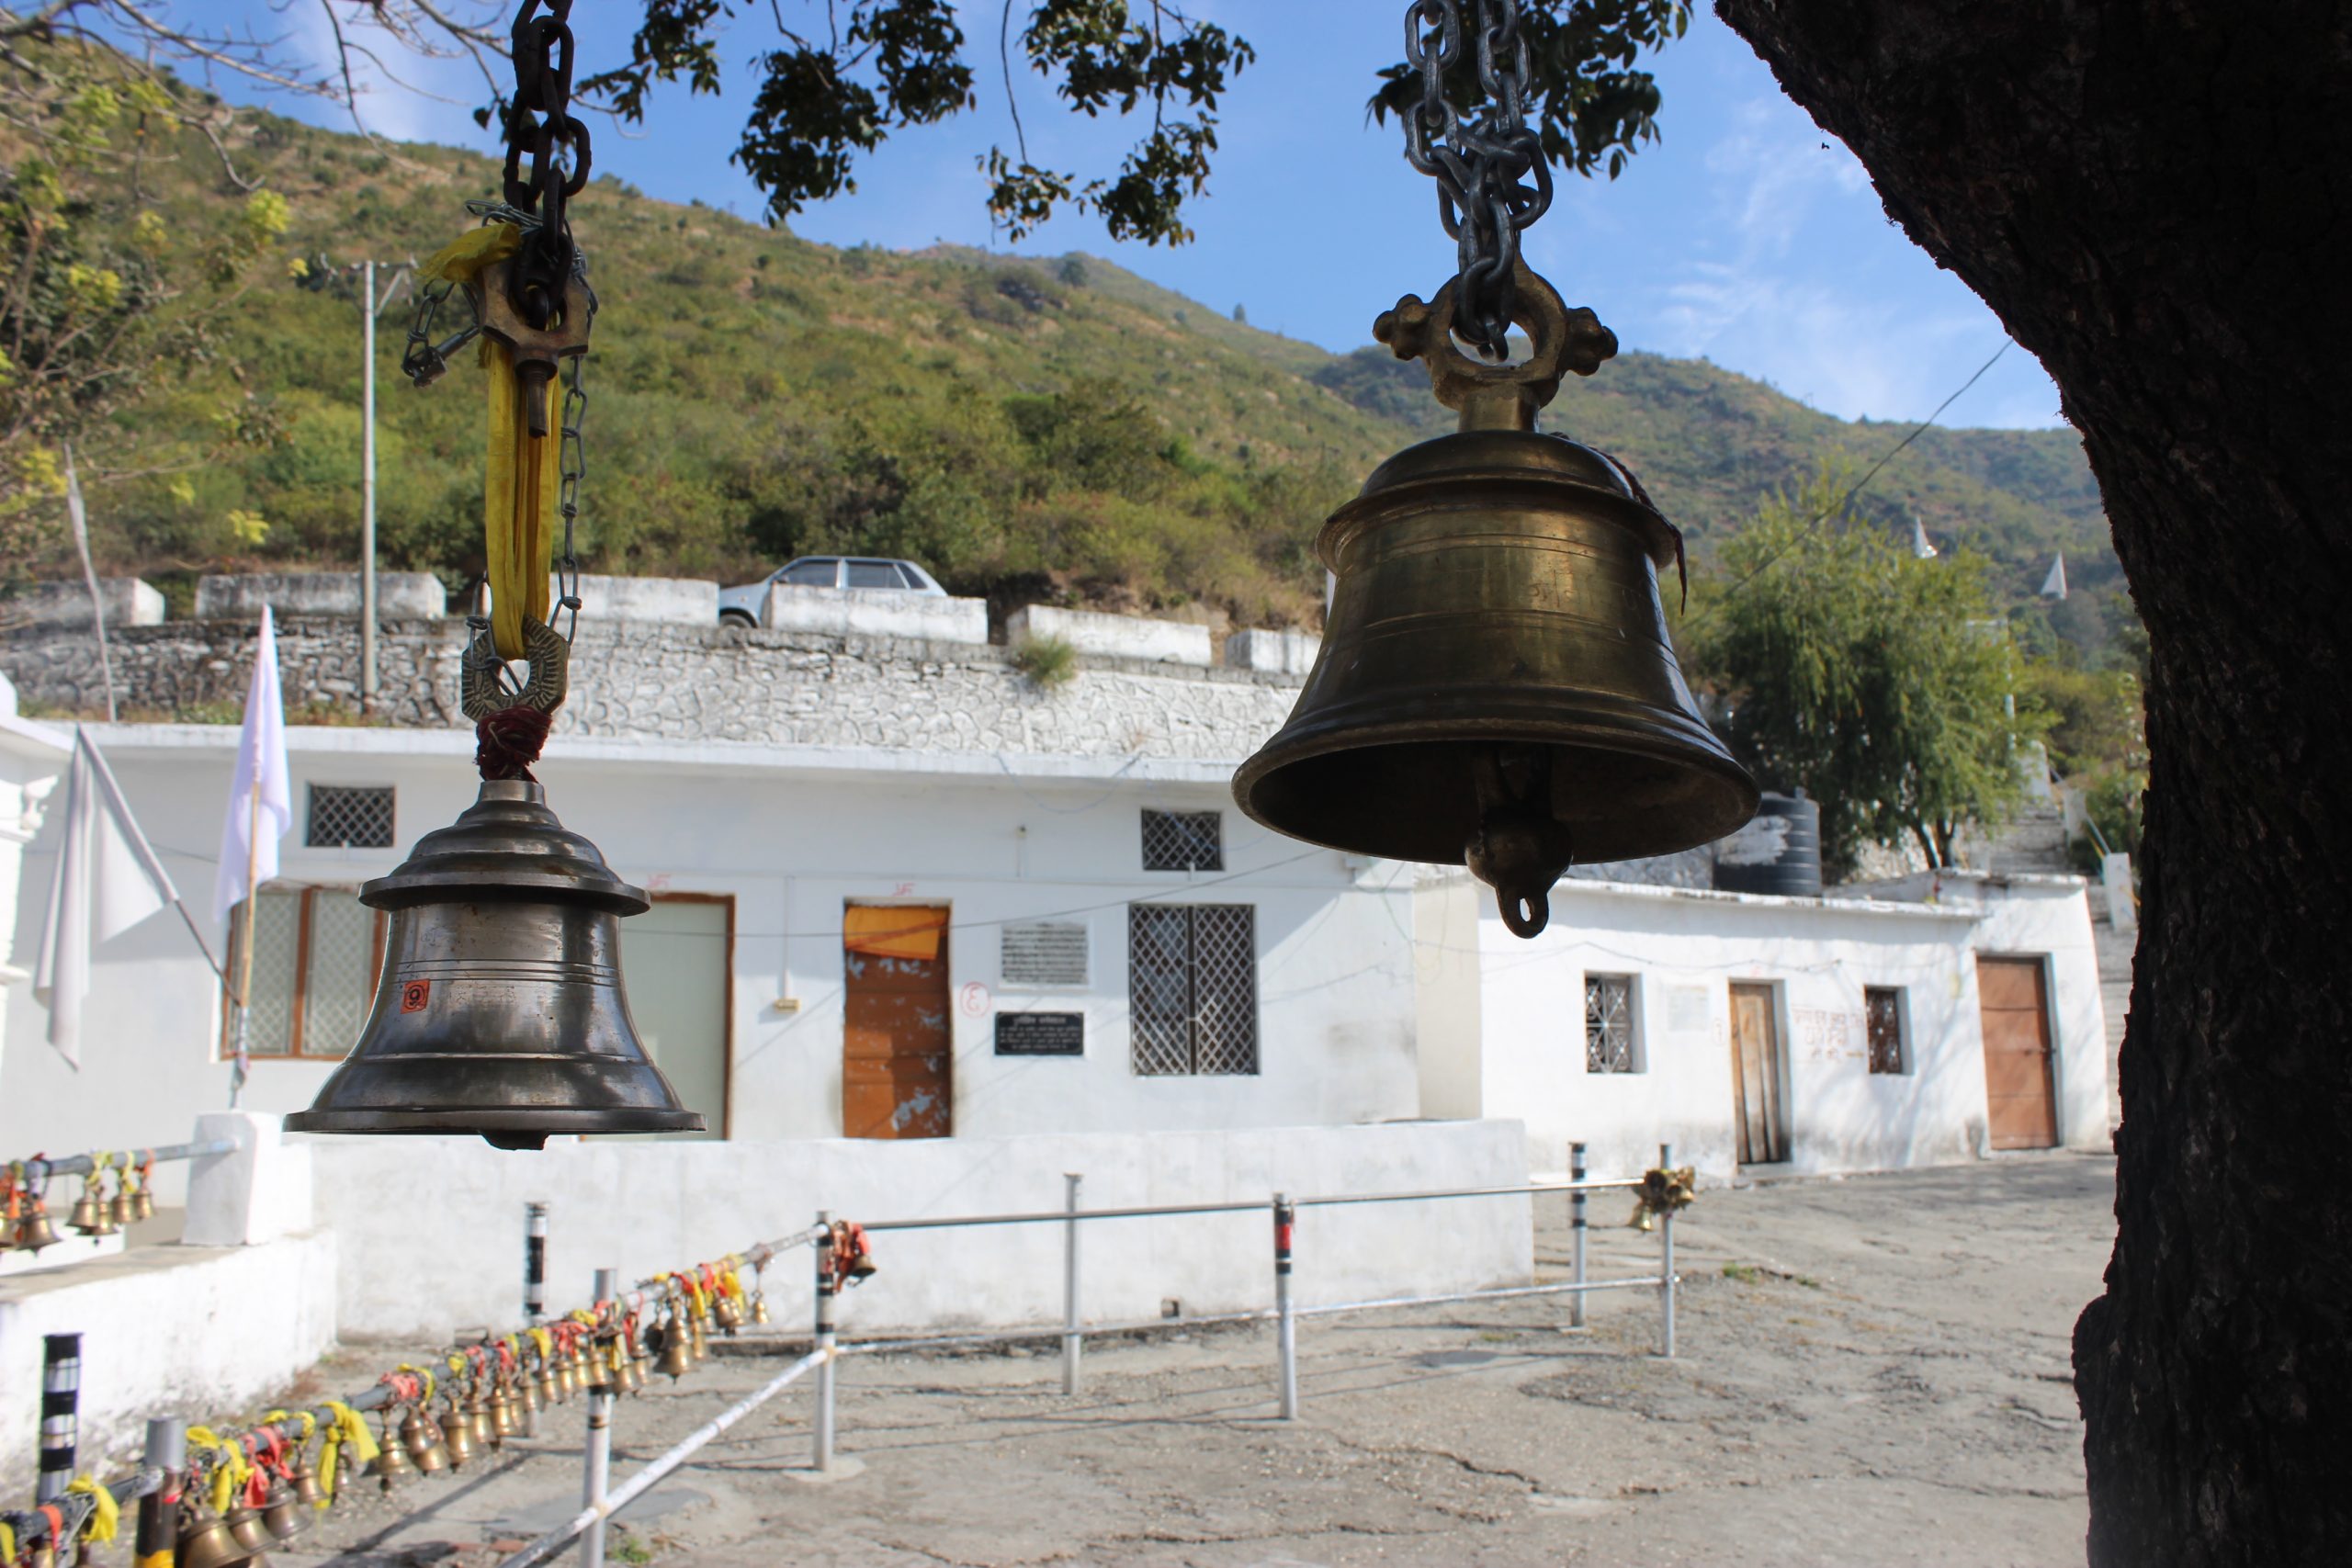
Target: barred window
x,y
316,952
1609,1045
348,817
1183,841
1883,1016
1193,989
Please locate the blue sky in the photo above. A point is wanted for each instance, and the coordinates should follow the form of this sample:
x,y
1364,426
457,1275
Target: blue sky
x,y
1746,236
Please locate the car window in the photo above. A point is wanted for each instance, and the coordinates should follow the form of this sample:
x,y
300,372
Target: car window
x,y
812,573
873,574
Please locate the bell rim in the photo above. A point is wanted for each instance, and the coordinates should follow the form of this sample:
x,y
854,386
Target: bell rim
x,y
1706,760
455,1123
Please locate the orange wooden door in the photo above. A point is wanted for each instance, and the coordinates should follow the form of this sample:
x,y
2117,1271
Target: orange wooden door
x,y
896,1044
1756,1077
2012,998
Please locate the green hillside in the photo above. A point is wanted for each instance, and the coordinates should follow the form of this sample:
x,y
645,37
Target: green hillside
x,y
1028,428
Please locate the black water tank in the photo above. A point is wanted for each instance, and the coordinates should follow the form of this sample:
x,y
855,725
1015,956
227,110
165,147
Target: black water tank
x,y
1778,852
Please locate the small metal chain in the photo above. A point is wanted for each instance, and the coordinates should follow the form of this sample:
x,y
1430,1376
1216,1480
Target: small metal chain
x,y
1481,166
574,467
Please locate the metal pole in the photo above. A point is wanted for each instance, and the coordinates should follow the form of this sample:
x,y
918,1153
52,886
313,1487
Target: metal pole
x,y
1285,1320
823,1458
79,516
367,493
1576,1236
1070,1336
535,1264
600,1443
159,1512
1666,1264
60,1405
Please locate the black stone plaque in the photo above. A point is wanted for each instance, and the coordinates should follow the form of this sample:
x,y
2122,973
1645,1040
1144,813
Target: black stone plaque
x,y
1041,1035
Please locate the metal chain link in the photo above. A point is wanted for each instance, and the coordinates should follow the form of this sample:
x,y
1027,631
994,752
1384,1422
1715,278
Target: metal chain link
x,y
1482,167
540,128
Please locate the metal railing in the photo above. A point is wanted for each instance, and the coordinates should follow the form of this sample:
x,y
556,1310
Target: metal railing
x,y
600,1504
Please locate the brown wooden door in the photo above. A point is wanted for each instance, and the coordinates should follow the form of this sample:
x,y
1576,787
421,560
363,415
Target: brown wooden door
x,y
1756,1077
896,1042
2011,994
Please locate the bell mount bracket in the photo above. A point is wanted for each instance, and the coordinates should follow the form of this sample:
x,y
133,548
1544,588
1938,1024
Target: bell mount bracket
x,y
1499,396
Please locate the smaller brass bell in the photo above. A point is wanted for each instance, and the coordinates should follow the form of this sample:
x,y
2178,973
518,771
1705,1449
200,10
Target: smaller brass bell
x,y
501,1009
391,1464
599,1369
305,1482
505,1416
282,1515
550,1386
478,1422
245,1527
204,1540
89,1216
33,1229
142,1202
421,1436
673,1361
759,1307
629,1371
527,1391
726,1314
456,1434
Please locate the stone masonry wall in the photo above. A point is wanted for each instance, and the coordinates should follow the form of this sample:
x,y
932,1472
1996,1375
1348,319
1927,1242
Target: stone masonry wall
x,y
688,682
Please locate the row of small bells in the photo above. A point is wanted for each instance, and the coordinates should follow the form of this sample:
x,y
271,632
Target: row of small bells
x,y
493,1409
92,1215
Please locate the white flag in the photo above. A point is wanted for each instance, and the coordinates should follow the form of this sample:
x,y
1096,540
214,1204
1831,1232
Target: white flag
x,y
261,768
107,880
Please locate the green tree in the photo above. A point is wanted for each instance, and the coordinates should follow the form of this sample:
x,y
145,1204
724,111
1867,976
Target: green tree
x,y
1881,684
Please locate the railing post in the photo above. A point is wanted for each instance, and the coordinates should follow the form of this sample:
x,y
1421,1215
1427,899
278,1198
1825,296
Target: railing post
x,y
156,1542
1071,1337
61,1414
535,1264
1576,1234
823,1458
1285,1320
600,1440
1666,1264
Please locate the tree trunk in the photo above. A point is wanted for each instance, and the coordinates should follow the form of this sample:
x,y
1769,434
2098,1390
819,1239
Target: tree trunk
x,y
2156,195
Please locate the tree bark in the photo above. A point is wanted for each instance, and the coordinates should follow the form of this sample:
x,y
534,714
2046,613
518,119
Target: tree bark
x,y
2156,197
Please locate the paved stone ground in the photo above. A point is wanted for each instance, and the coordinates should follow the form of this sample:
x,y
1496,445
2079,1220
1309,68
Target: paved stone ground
x,y
1872,1371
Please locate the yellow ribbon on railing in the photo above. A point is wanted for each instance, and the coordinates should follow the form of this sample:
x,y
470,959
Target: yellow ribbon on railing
x,y
424,1373
350,1429
106,1514
8,1542
520,478
456,1364
230,1471
545,1341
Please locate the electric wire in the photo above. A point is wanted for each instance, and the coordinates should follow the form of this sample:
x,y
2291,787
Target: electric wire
x,y
1843,501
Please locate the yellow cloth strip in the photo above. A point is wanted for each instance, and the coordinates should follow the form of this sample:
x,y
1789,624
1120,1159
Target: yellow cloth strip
x,y
106,1517
517,505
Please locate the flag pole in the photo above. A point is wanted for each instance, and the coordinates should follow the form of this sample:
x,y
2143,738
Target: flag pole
x,y
79,516
245,949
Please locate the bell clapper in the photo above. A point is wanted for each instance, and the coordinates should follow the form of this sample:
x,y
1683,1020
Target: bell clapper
x,y
1519,848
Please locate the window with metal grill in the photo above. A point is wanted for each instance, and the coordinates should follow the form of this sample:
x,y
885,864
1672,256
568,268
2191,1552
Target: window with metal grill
x,y
1183,841
342,817
1882,1019
1193,989
1610,1042
316,952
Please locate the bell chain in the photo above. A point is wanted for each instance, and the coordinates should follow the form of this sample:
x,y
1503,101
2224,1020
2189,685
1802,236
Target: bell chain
x,y
1482,165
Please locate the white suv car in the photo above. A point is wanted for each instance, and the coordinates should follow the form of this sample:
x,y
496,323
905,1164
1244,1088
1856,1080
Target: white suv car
x,y
740,607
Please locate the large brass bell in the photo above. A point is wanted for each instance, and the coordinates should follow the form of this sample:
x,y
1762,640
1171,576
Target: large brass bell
x,y
305,1482
501,1009
92,1215
456,1434
674,1361
282,1515
392,1465
245,1527
1496,686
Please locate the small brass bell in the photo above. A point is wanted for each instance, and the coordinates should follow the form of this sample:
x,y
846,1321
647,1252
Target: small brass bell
x,y
599,1369
143,1202
484,1429
1497,687
550,1385
282,1515
421,1436
89,1216
245,1527
527,1391
33,1229
204,1540
305,1482
456,1434
674,1359
505,1416
391,1464
501,1011
759,1307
